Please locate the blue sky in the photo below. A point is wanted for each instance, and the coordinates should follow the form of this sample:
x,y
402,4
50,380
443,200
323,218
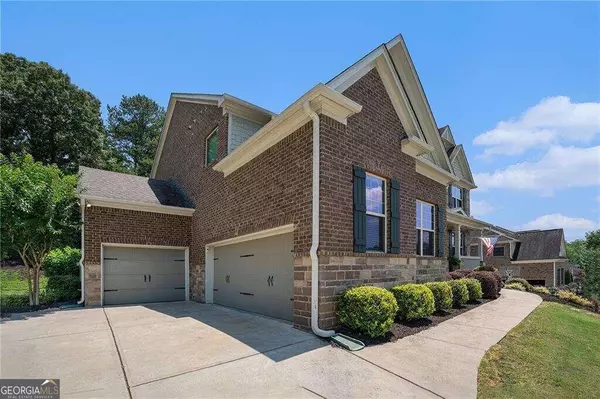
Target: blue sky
x,y
519,83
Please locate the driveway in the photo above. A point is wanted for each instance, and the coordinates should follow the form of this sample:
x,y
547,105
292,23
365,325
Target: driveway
x,y
195,350
185,350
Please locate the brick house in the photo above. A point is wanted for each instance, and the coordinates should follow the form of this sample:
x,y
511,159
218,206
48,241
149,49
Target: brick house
x,y
279,213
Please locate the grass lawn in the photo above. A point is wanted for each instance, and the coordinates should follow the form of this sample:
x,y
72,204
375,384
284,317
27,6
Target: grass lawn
x,y
13,283
553,353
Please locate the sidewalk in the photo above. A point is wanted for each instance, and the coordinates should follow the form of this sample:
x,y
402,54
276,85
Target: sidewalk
x,y
444,359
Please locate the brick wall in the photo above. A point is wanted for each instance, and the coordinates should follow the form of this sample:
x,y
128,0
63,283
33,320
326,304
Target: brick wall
x,y
538,271
272,190
109,225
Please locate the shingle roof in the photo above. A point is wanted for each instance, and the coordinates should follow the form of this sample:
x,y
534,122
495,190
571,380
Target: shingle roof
x,y
121,186
539,244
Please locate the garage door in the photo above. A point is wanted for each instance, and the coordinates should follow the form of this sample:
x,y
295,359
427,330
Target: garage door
x,y
137,275
257,276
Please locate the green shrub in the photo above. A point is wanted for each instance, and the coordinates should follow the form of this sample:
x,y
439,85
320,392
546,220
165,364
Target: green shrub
x,y
369,310
474,287
515,286
62,269
489,283
542,290
442,295
415,301
460,292
528,287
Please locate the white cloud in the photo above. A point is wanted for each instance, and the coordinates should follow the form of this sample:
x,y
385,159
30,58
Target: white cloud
x,y
481,208
560,167
574,227
553,120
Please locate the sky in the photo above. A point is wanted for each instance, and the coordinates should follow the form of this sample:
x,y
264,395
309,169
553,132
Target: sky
x,y
518,83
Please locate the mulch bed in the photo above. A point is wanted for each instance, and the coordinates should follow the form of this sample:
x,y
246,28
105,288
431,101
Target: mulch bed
x,y
401,328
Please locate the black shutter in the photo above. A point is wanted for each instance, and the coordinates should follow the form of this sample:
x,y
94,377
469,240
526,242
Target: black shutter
x,y
449,195
441,229
395,216
360,210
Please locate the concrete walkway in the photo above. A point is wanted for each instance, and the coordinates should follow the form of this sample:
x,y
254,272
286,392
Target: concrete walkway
x,y
190,350
444,359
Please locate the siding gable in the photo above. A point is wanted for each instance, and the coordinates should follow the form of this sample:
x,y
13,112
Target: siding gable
x,y
240,130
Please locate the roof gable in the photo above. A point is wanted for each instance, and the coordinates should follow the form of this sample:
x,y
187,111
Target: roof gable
x,y
401,81
460,165
540,245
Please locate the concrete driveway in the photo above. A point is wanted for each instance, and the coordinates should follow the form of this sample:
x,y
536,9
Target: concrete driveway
x,y
185,350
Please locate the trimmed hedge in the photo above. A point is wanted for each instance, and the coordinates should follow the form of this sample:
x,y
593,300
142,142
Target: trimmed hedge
x,y
489,283
442,295
515,286
458,274
369,310
521,281
474,287
415,301
460,292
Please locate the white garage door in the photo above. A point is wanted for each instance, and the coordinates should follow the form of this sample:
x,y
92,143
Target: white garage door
x,y
137,275
257,276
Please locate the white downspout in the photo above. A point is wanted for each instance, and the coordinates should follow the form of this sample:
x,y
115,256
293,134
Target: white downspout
x,y
81,272
314,314
554,273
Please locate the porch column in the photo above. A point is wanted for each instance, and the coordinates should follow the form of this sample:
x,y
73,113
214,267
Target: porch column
x,y
457,245
480,246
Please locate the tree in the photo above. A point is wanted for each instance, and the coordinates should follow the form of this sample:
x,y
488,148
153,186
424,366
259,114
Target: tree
x,y
586,254
39,212
46,115
134,128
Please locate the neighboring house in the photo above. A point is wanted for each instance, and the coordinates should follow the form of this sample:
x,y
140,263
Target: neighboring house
x,y
279,213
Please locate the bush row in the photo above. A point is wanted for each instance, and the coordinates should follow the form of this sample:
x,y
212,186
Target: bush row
x,y
372,310
491,281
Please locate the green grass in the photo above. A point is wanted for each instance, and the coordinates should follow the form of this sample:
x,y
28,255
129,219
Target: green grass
x,y
13,282
553,353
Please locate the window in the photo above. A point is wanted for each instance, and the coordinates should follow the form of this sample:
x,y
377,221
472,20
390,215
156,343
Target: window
x,y
425,228
376,219
499,251
456,200
211,147
473,250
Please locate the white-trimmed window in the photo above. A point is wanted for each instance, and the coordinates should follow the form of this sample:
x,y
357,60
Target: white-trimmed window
x,y
211,145
376,216
499,250
425,228
474,250
457,196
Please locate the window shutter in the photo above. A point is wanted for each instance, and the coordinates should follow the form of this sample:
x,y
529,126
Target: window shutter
x,y
360,210
441,229
449,195
395,216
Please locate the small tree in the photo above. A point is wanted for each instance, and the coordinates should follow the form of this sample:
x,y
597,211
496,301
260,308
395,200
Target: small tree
x,y
38,207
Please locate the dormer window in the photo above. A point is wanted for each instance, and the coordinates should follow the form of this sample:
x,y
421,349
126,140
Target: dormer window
x,y
456,197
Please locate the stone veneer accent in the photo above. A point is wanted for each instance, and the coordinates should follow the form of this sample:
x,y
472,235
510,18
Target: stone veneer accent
x,y
337,273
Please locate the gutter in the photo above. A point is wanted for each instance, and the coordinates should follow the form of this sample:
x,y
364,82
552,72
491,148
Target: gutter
x,y
314,314
81,272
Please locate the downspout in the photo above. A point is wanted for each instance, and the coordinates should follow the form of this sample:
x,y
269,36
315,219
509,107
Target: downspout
x,y
314,314
81,273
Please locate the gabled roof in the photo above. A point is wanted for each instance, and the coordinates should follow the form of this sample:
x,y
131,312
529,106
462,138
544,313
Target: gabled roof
x,y
460,166
399,76
102,185
539,245
226,101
